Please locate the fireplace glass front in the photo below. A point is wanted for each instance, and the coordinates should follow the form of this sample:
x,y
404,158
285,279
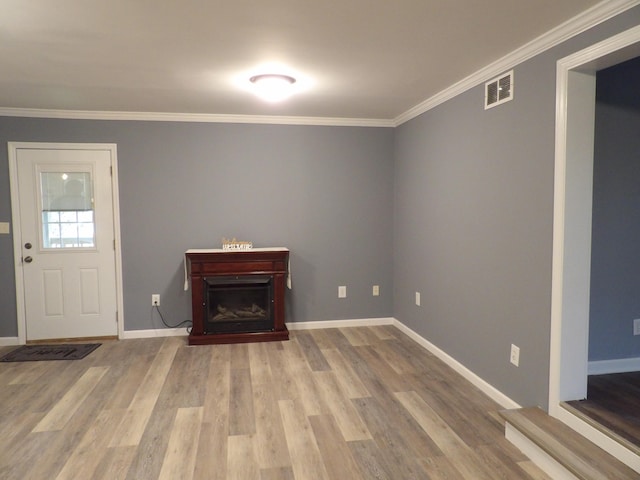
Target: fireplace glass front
x,y
238,304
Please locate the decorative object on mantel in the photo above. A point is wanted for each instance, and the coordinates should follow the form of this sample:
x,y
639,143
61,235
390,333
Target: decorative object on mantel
x,y
233,244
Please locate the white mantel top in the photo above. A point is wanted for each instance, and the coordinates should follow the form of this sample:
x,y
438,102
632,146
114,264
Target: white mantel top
x,y
220,250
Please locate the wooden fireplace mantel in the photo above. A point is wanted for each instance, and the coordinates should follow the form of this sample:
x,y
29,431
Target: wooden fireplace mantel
x,y
207,263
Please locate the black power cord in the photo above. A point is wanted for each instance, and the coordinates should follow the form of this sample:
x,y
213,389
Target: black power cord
x,y
184,322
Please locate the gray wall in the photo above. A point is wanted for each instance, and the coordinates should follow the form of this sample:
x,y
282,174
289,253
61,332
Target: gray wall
x,y
615,254
473,224
326,193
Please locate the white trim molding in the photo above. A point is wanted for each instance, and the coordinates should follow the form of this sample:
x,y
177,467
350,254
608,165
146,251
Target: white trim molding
x,y
565,352
12,148
488,389
154,333
195,117
568,359
176,332
9,341
619,365
358,322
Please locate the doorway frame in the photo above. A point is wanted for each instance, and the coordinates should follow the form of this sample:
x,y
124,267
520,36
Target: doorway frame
x,y
17,230
573,184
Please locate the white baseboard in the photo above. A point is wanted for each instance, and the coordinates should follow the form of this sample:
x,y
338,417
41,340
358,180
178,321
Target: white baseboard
x,y
358,322
128,334
176,332
158,332
622,365
495,394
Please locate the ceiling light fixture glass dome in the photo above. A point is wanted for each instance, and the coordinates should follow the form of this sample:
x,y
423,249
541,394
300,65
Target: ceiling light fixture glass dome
x,y
273,87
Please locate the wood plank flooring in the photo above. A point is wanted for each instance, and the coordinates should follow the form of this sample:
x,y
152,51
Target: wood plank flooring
x,y
579,458
613,402
349,403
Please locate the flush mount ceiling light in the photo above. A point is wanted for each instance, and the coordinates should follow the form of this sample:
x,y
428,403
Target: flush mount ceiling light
x,y
273,87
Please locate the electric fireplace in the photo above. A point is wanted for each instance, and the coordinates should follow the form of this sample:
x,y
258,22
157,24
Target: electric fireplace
x,y
237,296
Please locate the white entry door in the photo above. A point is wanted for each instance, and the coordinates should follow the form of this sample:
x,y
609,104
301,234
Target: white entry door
x,y
67,237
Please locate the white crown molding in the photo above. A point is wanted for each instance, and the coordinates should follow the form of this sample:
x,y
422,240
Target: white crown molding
x,y
589,18
194,117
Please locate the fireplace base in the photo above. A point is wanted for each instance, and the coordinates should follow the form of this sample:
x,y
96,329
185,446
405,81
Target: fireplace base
x,y
245,337
204,265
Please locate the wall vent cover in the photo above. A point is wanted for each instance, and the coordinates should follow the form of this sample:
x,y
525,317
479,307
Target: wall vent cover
x,y
498,90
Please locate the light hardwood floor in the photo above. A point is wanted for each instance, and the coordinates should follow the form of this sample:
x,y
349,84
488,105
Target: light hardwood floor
x,y
349,403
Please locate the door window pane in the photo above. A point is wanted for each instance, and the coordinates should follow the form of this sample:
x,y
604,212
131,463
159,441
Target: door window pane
x,y
67,210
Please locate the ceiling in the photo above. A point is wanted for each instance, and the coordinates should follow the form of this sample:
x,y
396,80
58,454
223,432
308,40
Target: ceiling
x,y
359,59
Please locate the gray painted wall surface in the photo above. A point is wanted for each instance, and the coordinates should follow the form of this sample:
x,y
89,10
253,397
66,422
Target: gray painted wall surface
x,y
326,193
615,254
473,224
8,326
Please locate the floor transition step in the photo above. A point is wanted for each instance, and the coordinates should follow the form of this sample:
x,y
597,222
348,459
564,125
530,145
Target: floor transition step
x,y
579,457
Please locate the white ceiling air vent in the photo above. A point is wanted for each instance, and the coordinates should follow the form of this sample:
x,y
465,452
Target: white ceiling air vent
x,y
498,90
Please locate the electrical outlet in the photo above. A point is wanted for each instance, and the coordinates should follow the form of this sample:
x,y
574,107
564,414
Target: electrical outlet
x,y
342,292
418,298
636,326
515,355
376,290
155,300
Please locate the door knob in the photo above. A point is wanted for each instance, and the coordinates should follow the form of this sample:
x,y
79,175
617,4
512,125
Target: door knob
x,y
28,246
28,259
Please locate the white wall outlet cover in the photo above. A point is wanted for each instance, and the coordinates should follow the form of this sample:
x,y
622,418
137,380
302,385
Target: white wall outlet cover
x,y
155,300
5,228
515,355
418,298
342,292
636,326
376,290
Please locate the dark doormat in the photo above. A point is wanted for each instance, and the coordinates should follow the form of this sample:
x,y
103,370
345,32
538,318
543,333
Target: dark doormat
x,y
32,353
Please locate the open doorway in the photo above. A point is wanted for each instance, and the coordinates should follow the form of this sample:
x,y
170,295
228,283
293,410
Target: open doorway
x,y
575,118
613,388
